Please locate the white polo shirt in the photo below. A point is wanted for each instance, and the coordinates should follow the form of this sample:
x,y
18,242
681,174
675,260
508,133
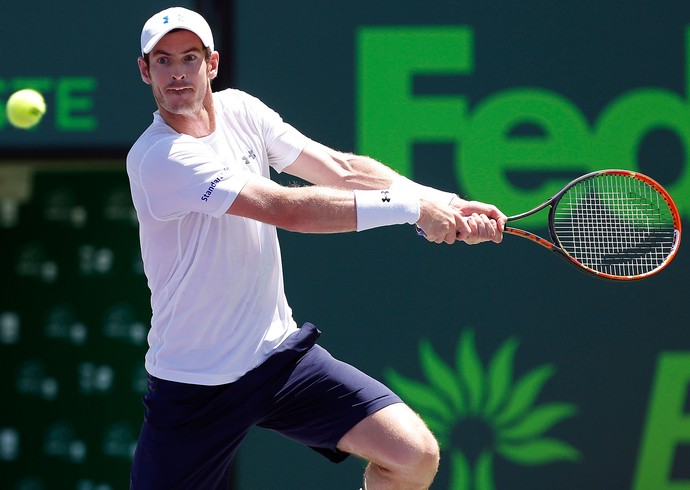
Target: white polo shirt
x,y
216,280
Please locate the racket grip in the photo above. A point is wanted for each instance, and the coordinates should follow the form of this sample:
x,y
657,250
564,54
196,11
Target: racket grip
x,y
421,232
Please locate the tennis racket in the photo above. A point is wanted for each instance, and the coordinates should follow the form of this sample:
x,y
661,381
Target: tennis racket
x,y
613,224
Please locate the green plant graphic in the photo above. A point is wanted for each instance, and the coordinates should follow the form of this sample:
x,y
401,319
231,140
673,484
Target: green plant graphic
x,y
485,406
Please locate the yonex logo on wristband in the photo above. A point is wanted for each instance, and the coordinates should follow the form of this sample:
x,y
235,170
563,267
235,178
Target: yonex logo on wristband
x,y
385,196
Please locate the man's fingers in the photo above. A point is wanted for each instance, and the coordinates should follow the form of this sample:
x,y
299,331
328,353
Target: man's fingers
x,y
482,229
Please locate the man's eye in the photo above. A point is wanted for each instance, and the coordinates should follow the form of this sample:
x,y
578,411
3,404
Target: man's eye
x,y
162,60
191,57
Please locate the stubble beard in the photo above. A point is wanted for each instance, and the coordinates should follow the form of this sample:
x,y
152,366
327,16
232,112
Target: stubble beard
x,y
183,107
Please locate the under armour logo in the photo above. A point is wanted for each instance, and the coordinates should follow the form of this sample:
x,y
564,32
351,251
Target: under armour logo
x,y
250,154
384,196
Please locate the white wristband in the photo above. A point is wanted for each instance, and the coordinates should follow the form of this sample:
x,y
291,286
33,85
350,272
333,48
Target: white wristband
x,y
394,206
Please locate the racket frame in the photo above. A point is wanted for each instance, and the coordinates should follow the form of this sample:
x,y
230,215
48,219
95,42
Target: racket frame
x,y
555,245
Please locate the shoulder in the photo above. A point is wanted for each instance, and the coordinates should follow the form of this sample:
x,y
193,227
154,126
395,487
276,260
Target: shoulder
x,y
241,104
237,96
166,153
158,134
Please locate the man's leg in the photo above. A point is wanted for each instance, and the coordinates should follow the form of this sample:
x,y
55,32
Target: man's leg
x,y
402,452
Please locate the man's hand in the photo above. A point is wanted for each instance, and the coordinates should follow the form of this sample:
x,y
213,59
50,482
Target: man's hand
x,y
440,221
447,218
483,222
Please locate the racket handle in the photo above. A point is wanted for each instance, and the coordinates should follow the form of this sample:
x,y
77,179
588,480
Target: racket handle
x,y
421,232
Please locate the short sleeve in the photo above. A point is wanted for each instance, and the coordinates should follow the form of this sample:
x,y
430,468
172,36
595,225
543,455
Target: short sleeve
x,y
181,175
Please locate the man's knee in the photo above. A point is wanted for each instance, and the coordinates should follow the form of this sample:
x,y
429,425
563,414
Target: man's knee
x,y
414,467
420,459
399,446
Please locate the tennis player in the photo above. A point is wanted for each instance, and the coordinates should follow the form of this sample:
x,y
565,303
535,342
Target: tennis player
x,y
224,351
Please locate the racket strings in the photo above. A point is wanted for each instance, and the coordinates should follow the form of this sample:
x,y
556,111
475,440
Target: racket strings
x,y
615,224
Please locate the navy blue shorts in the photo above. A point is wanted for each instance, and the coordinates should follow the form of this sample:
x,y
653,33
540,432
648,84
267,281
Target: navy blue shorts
x,y
191,433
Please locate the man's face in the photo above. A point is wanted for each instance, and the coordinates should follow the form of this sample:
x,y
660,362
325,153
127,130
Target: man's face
x,y
178,73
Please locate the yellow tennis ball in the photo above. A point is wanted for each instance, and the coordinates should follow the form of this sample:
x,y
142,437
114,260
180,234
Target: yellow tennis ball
x,y
25,108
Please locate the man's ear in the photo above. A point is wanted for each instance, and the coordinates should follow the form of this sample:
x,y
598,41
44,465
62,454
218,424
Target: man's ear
x,y
213,65
144,70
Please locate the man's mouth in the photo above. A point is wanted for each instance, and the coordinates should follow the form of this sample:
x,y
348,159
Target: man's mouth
x,y
178,90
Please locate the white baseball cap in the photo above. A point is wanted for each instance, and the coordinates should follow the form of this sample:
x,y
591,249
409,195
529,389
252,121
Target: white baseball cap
x,y
174,18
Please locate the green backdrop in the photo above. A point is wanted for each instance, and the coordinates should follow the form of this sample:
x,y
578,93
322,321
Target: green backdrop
x,y
531,374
